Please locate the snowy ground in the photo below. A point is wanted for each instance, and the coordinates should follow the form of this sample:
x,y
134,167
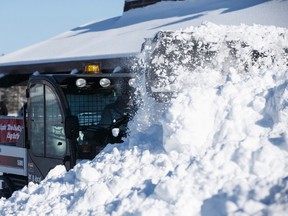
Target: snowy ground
x,y
218,148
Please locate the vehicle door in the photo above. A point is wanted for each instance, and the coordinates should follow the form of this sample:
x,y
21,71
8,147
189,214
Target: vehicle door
x,y
48,146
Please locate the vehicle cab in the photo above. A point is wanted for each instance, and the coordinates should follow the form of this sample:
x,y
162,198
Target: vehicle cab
x,y
65,117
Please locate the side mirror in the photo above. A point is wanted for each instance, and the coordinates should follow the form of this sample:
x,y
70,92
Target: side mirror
x,y
71,127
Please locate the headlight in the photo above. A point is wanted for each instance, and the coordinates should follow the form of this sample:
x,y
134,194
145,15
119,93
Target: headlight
x,y
104,82
81,82
131,82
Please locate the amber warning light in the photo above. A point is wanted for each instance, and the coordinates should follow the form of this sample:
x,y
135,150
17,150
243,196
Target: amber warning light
x,y
95,68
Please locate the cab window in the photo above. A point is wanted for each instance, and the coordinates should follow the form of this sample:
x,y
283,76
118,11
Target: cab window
x,y
36,111
47,127
55,137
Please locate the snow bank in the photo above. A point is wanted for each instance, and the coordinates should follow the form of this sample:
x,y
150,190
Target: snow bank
x,y
218,148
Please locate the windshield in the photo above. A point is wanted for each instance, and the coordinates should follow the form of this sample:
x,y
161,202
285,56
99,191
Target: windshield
x,y
89,107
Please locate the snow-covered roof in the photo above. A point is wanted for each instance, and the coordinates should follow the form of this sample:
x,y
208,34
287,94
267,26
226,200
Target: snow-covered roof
x,y
122,36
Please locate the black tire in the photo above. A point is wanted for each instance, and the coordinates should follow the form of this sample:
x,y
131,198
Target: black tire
x,y
9,189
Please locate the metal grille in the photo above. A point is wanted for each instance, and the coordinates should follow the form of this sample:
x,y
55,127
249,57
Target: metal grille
x,y
88,108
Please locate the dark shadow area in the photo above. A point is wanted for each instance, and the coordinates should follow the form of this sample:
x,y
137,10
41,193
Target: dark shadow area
x,y
240,5
214,206
154,134
278,141
180,9
277,191
266,122
13,79
149,187
138,3
179,21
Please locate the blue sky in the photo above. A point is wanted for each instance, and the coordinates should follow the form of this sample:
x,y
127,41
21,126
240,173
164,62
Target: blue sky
x,y
26,22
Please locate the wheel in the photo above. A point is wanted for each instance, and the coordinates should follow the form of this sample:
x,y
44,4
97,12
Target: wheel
x,y
8,187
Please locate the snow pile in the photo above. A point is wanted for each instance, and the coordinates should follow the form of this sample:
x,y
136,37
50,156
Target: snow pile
x,y
218,148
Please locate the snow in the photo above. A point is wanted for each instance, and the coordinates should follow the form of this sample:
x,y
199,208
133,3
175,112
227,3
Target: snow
x,y
86,42
219,147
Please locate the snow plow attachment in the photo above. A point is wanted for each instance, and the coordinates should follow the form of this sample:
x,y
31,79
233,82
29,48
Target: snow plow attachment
x,y
170,53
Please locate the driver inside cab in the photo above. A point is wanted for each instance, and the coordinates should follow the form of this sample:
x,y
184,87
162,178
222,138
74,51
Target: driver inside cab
x,y
113,123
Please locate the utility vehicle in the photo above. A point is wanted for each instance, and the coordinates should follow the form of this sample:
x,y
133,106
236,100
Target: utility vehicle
x,y
62,122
